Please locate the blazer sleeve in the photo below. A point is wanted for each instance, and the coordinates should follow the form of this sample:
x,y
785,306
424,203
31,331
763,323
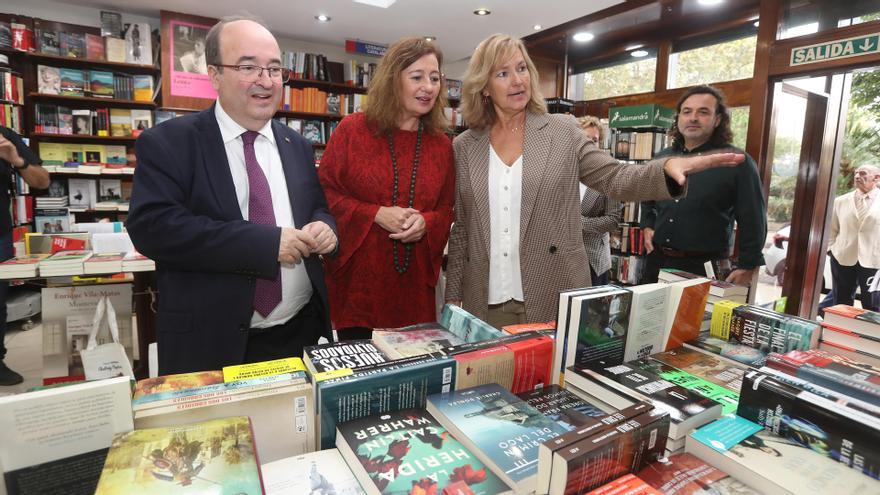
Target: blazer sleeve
x,y
458,238
835,224
165,229
605,220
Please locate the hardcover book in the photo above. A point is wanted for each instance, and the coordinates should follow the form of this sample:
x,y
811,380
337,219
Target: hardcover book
x,y
340,355
408,452
319,472
501,429
217,456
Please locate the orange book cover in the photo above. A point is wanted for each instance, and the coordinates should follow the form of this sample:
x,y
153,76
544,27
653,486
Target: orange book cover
x,y
529,327
627,484
688,313
533,363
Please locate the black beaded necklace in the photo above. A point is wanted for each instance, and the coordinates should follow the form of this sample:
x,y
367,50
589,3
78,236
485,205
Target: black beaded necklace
x,y
395,192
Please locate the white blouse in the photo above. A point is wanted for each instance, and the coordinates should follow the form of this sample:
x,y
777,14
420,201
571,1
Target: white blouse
x,y
505,200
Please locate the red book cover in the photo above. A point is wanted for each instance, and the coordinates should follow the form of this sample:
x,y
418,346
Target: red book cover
x,y
533,361
94,47
627,484
61,243
22,37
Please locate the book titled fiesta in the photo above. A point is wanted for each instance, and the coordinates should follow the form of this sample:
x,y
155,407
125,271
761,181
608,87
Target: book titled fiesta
x,y
503,431
409,451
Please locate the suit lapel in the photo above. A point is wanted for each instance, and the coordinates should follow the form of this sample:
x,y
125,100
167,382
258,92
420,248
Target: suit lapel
x,y
536,149
293,174
478,160
217,165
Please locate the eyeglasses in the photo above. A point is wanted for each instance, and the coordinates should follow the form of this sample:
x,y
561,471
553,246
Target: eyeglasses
x,y
254,72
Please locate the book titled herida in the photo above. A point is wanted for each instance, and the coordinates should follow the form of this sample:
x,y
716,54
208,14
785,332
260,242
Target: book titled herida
x,y
340,355
409,451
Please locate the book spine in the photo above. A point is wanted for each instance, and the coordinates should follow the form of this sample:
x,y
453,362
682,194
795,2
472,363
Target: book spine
x,y
865,411
213,401
811,421
216,390
840,382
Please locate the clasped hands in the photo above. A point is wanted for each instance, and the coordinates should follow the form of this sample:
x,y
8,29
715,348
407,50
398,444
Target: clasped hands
x,y
405,224
314,238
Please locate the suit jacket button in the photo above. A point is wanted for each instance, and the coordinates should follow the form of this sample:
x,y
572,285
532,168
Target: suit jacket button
x,y
552,249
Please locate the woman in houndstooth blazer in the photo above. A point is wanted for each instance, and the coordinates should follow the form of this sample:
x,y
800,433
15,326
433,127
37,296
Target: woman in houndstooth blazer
x,y
511,133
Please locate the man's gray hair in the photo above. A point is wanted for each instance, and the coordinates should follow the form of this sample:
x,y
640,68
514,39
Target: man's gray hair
x,y
212,41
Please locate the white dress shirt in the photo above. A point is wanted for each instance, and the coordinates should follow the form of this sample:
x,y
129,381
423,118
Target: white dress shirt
x,y
505,200
296,288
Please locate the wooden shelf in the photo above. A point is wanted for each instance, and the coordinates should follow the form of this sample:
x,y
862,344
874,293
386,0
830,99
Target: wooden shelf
x,y
326,85
11,51
308,115
92,99
81,137
92,62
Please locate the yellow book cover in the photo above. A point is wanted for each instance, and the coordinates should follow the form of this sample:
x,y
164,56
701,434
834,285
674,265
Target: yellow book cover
x,y
73,153
216,456
120,122
94,153
52,153
266,368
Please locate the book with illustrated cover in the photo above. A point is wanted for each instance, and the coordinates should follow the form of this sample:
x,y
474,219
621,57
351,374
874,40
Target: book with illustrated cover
x,y
94,47
769,331
520,362
138,44
860,381
720,371
562,406
65,121
409,451
319,472
340,355
685,474
143,88
768,463
812,421
52,221
567,301
73,82
500,428
731,349
598,328
628,484
398,344
72,45
48,42
686,307
24,266
727,398
378,389
647,317
217,456
170,383
101,84
120,122
467,326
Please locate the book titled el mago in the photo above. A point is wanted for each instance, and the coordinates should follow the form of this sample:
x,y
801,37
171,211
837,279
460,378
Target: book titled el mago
x,y
408,452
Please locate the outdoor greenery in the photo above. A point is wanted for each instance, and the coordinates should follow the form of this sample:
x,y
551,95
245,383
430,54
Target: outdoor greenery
x,y
623,79
861,142
728,61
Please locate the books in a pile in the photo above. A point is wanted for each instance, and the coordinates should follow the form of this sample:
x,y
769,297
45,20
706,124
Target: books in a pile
x,y
854,331
719,289
100,263
849,377
562,406
770,331
136,262
518,362
21,266
64,263
686,474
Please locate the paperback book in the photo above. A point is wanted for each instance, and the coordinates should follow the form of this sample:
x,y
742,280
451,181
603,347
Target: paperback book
x,y
341,355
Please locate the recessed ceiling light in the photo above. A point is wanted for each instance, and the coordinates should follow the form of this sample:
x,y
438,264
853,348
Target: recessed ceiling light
x,y
322,18
482,12
633,47
709,2
583,36
377,3
430,38
639,53
537,27
757,23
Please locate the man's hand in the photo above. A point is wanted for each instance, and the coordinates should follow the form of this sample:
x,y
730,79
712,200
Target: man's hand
x,y
295,245
413,227
648,236
323,235
741,276
392,218
679,168
9,153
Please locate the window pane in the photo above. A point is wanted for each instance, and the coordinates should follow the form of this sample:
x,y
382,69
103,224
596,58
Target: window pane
x,y
739,125
802,17
623,79
720,62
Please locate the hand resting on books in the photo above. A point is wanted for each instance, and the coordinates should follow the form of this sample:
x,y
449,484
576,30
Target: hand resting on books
x,y
680,167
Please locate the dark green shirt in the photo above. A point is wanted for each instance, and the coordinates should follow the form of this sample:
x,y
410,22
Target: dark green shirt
x,y
703,220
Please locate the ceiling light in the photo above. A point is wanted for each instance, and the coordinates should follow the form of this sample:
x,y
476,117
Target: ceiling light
x,y
537,27
482,12
583,36
633,47
639,53
757,23
709,2
322,18
430,38
377,3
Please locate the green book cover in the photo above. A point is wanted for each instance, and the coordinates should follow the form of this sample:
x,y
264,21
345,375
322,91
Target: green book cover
x,y
727,398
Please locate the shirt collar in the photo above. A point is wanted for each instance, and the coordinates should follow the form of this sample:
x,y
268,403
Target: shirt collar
x,y
872,194
230,130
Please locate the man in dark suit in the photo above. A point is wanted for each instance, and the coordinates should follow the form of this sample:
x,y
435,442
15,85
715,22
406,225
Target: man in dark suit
x,y
227,202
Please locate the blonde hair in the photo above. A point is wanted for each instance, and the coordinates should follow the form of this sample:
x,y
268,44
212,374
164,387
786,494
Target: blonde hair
x,y
588,121
383,108
477,111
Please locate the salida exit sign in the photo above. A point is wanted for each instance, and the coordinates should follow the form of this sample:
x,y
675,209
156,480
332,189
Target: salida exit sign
x,y
849,47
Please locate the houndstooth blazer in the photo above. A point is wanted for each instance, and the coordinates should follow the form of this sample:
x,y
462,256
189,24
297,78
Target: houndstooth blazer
x,y
599,216
552,255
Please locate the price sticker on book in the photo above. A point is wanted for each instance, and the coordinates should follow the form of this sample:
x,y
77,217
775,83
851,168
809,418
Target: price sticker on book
x,y
326,375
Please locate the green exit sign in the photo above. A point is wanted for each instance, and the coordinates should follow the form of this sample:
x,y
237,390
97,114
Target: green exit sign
x,y
832,50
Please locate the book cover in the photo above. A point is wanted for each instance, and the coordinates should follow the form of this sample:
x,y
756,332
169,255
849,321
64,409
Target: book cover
x,y
52,221
115,49
628,484
51,153
768,463
727,398
409,451
482,366
65,121
687,304
830,371
82,122
398,344
340,355
94,47
562,406
48,42
199,393
115,155
217,456
380,389
812,421
109,190
120,122
319,472
138,44
171,383
732,350
73,45
467,326
500,428
73,82
723,372
602,321
566,302
143,87
686,474
141,120
61,430
647,318
101,84
530,327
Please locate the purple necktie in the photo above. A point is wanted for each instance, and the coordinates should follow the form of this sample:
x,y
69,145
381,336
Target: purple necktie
x,y
268,292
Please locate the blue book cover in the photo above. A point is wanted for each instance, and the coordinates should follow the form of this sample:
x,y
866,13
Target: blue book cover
x,y
502,429
406,452
382,388
602,328
467,326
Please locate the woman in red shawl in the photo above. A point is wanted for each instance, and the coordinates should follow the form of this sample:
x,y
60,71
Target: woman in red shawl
x,y
389,178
